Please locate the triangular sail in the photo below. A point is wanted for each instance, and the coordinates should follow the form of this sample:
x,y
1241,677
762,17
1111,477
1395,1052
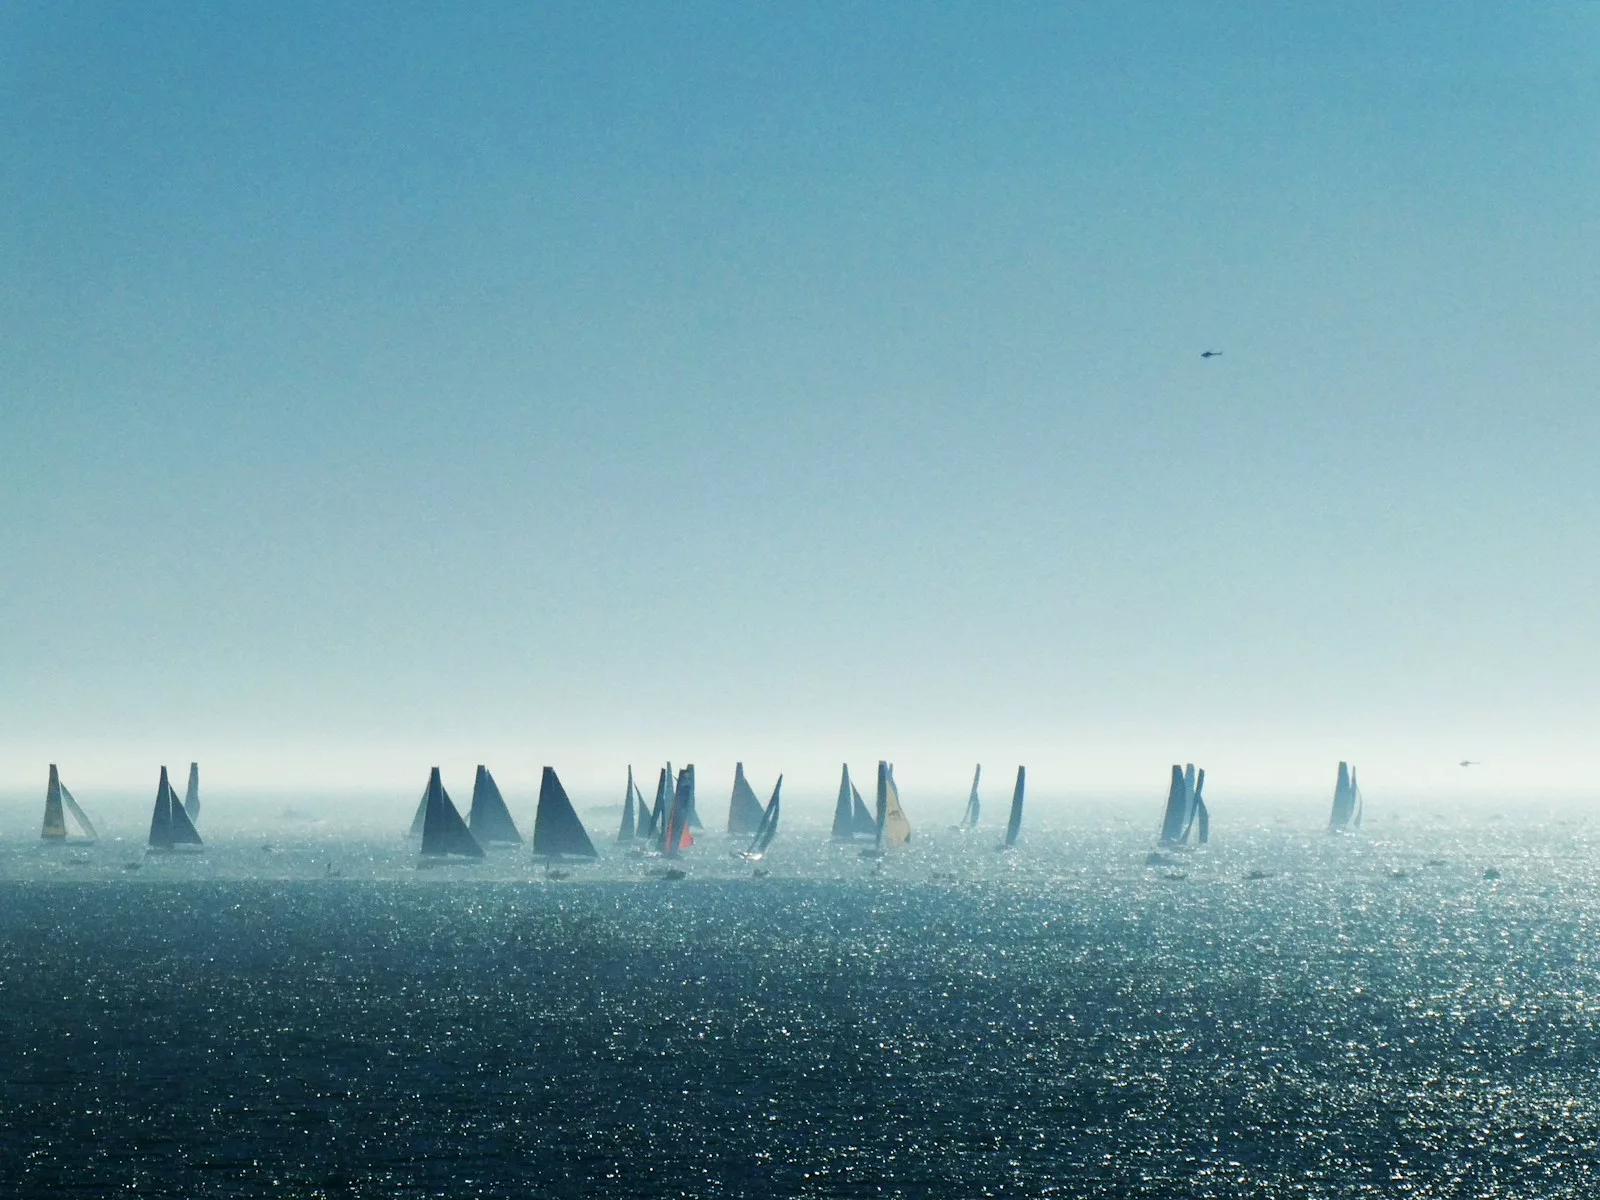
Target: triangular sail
x,y
843,816
78,815
1176,817
866,825
489,818
55,825
443,830
556,828
1202,822
969,819
1355,804
768,829
894,828
658,813
183,831
675,835
744,809
691,813
169,822
1344,801
191,794
1014,825
161,816
625,830
1196,808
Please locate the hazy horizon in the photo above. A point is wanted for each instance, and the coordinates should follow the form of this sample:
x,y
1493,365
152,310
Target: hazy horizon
x,y
386,388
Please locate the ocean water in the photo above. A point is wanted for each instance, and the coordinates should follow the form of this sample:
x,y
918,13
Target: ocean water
x,y
1413,1011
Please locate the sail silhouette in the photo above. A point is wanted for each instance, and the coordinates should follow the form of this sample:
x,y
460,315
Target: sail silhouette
x,y
191,794
1176,817
488,818
443,830
57,797
865,824
170,826
675,835
658,811
556,828
625,832
1014,825
893,828
969,819
768,828
1343,815
744,810
1356,807
843,816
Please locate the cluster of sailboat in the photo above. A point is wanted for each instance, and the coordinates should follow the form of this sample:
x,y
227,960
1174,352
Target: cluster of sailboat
x,y
666,827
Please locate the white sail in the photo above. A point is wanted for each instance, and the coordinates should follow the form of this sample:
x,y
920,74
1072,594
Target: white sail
x,y
896,828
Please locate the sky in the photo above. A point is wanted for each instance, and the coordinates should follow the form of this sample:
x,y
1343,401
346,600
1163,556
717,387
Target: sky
x,y
384,385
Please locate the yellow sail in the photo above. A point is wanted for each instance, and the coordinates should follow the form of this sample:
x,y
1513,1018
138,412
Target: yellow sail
x,y
896,829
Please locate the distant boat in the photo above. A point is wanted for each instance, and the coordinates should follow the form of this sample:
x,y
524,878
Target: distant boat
x,y
443,830
851,819
892,826
556,828
55,826
969,818
767,829
488,818
1014,825
675,835
844,827
625,832
1199,816
170,826
1186,809
1346,812
655,832
191,794
744,810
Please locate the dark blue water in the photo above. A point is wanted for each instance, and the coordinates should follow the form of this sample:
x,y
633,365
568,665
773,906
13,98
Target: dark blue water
x,y
1283,1016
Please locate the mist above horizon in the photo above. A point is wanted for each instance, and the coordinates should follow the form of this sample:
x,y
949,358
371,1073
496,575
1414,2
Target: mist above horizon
x,y
550,386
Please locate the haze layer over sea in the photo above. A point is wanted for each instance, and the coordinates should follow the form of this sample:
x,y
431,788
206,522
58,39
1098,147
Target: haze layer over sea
x,y
1411,1010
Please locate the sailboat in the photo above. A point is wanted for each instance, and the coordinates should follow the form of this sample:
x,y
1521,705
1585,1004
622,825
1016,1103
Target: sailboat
x,y
625,832
1186,809
766,830
488,818
1346,812
170,826
1014,825
843,818
744,810
892,827
56,796
658,811
556,828
443,831
191,794
675,835
969,818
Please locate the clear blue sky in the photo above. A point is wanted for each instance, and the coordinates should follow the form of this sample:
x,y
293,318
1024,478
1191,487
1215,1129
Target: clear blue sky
x,y
383,384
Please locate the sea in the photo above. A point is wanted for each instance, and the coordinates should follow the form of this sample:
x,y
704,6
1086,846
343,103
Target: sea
x,y
299,1011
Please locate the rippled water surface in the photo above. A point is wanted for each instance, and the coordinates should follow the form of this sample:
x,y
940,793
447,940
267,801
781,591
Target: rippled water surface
x,y
1411,1012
